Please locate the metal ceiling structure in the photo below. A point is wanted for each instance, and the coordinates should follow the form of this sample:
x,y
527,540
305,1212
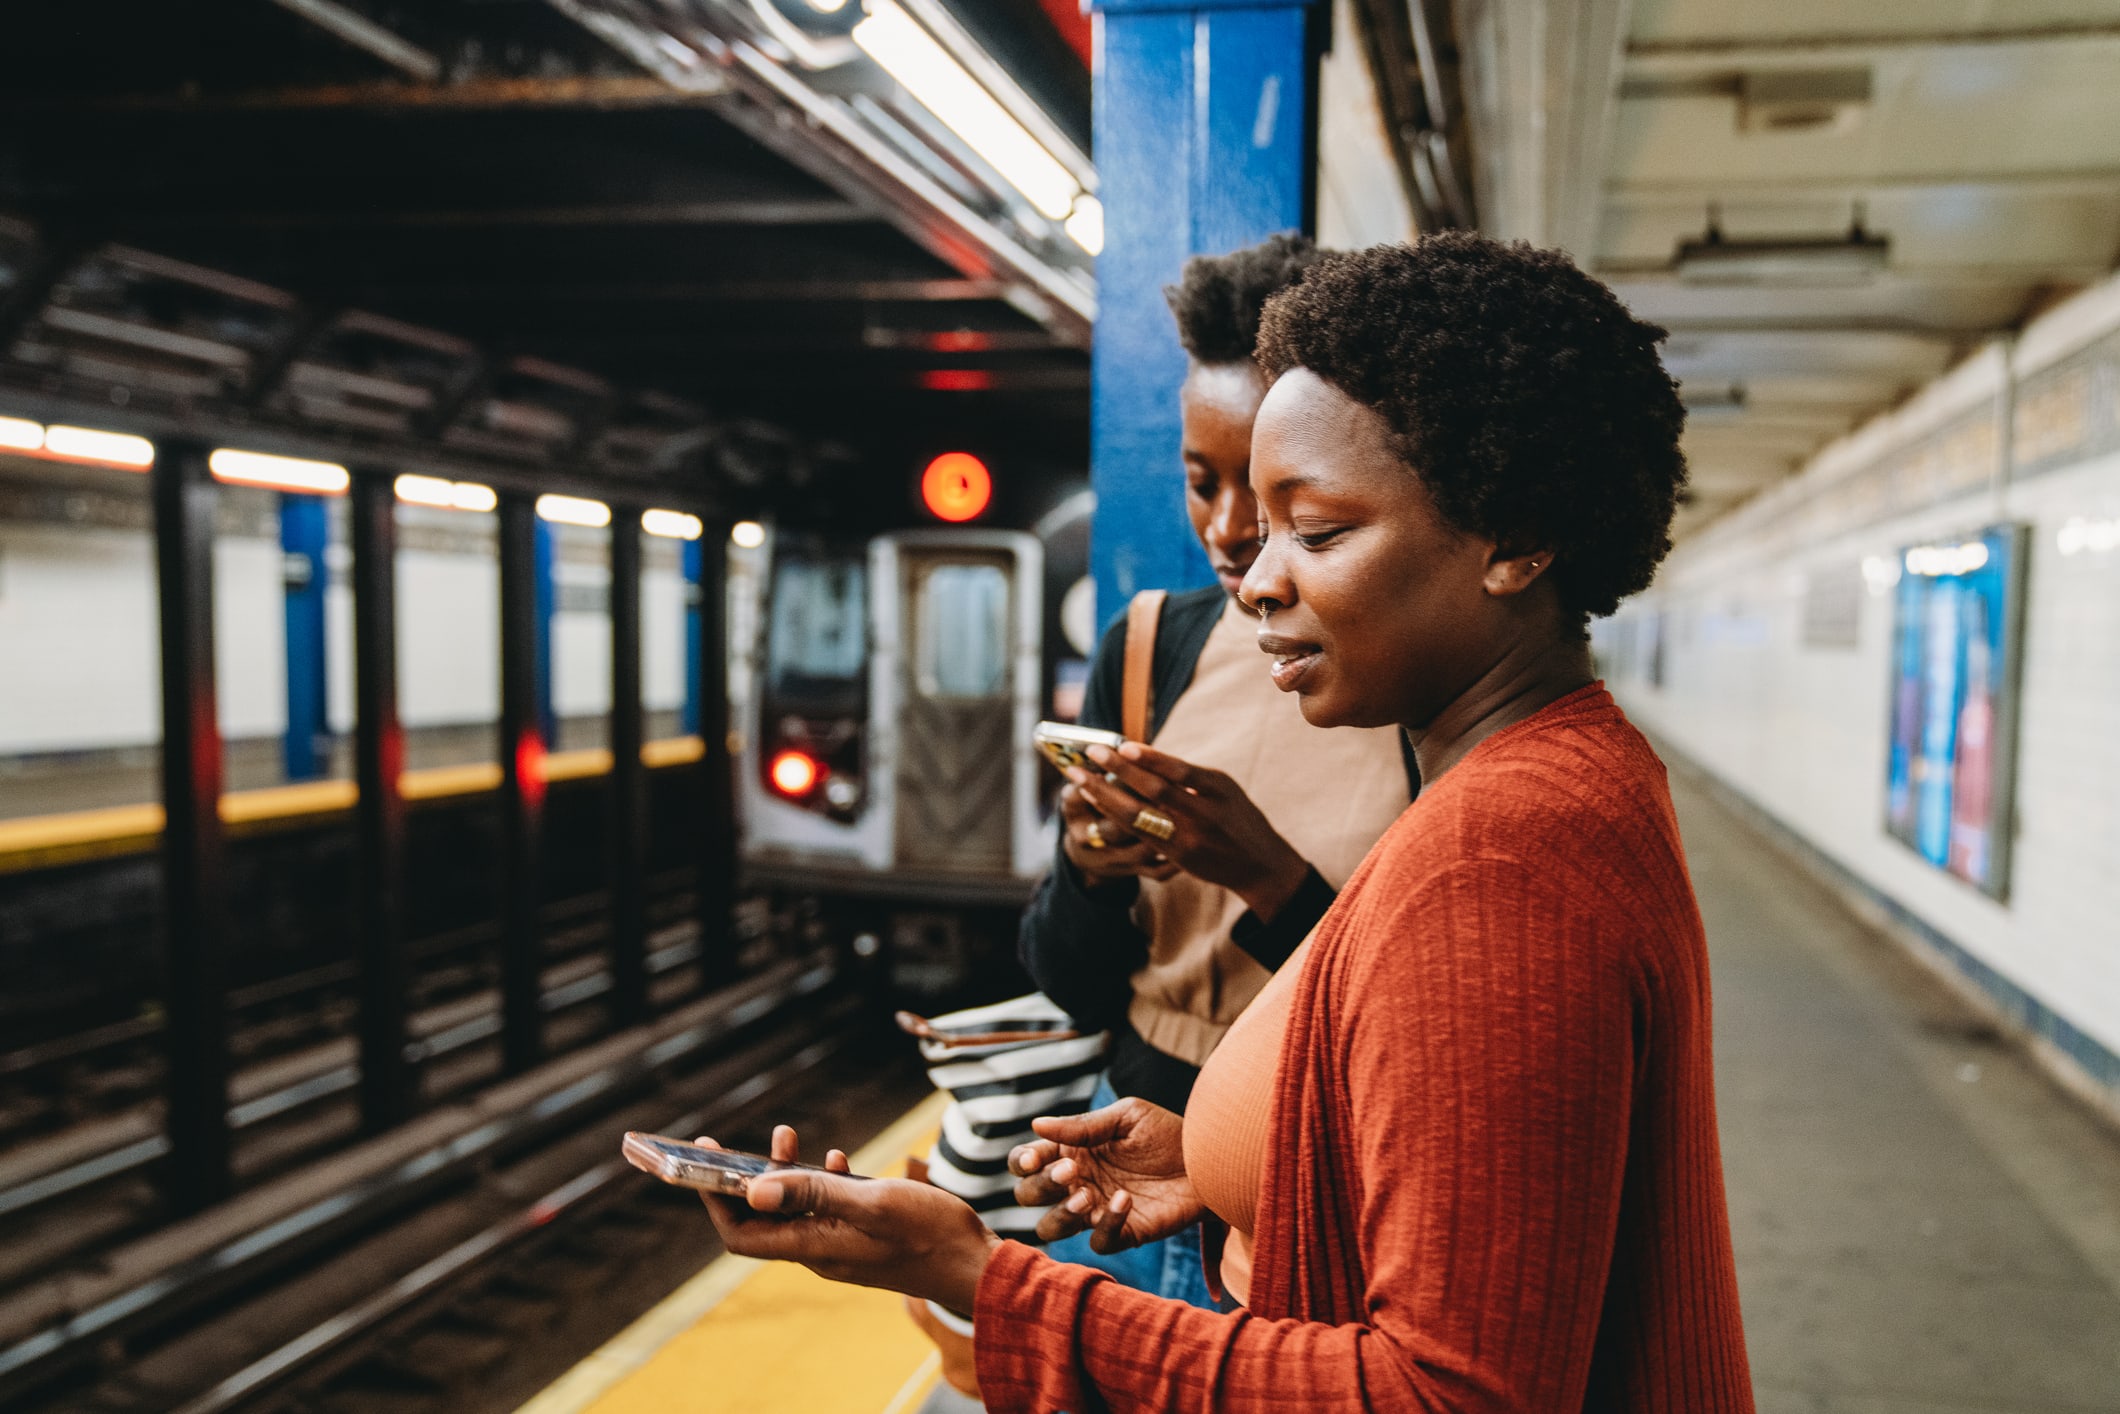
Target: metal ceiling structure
x,y
1904,184
710,248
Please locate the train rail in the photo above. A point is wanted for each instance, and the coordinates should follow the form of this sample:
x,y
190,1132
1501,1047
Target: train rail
x,y
369,1242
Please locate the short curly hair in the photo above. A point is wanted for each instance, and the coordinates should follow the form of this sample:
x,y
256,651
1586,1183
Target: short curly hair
x,y
1218,298
1531,404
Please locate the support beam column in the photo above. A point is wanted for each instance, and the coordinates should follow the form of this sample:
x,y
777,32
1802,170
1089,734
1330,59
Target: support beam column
x,y
388,1085
629,778
1205,116
717,781
194,885
522,747
305,534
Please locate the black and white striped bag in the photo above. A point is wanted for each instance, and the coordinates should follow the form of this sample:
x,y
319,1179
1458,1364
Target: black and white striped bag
x,y
1038,1064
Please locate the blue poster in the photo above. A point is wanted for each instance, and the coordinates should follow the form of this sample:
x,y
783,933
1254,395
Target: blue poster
x,y
1954,703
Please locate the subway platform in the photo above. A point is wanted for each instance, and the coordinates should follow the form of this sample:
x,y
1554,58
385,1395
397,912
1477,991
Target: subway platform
x,y
1925,1223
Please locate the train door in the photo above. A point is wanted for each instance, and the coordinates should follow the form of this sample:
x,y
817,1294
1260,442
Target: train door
x,y
956,678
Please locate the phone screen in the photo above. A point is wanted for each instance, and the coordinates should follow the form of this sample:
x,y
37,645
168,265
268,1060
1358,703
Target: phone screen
x,y
727,1160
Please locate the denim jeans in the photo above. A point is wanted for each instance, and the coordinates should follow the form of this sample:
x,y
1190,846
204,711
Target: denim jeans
x,y
1169,1268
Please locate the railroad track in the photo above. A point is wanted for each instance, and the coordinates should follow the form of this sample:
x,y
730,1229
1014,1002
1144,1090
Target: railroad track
x,y
481,1251
290,1106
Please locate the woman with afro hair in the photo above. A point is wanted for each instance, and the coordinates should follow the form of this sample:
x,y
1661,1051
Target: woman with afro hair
x,y
1463,1145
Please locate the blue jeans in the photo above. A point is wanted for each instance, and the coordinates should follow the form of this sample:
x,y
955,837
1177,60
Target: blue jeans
x,y
1170,1268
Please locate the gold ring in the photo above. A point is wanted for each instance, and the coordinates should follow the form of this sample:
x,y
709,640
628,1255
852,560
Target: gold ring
x,y
1155,826
1095,832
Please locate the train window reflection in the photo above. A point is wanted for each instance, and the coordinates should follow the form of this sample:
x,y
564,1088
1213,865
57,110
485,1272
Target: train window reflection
x,y
818,637
963,649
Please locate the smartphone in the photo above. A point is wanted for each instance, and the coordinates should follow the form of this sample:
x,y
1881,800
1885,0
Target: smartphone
x,y
724,1171
1065,745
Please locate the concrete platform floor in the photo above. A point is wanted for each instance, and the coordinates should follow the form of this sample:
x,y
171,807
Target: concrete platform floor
x,y
1925,1223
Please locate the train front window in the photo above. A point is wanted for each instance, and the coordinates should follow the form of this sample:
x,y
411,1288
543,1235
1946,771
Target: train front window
x,y
964,644
817,647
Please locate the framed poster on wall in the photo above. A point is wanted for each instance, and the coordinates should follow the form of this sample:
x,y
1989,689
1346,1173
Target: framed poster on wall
x,y
1956,639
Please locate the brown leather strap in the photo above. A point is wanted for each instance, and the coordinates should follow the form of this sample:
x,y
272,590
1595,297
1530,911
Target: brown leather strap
x,y
1136,703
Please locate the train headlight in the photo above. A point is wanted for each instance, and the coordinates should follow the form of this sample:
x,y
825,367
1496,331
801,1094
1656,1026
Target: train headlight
x,y
841,793
794,773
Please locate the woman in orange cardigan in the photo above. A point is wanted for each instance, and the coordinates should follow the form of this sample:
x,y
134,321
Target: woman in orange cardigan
x,y
1463,1147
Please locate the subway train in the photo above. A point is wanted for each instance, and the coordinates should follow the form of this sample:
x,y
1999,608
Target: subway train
x,y
885,692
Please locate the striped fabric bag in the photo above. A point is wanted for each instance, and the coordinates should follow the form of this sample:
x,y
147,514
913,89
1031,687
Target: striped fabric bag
x,y
1003,1066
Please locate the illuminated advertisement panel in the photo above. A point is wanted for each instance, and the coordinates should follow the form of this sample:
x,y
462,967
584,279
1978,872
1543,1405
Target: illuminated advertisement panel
x,y
1955,641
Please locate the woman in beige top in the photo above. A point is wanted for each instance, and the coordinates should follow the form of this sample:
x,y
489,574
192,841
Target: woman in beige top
x,y
1166,941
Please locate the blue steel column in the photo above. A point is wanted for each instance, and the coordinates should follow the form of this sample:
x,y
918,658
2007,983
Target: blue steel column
x,y
688,720
305,531
546,560
1205,114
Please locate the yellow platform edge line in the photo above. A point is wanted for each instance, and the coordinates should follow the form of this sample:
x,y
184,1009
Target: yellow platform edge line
x,y
685,1307
46,841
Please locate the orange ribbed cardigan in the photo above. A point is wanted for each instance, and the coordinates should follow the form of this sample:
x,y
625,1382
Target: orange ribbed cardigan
x,y
1493,1181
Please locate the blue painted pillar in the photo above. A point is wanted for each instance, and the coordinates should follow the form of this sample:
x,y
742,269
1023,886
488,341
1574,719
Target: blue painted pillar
x,y
694,597
1205,114
305,532
545,575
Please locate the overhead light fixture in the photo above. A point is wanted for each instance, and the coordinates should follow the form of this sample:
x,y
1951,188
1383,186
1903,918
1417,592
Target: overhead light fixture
x,y
574,510
671,525
19,434
278,473
912,56
86,444
444,494
1715,259
747,535
1085,224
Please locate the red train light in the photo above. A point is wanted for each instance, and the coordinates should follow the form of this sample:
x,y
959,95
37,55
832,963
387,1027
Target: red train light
x,y
794,773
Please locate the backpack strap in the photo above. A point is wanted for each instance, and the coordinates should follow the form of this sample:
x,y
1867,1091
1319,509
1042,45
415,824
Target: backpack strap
x,y
1136,687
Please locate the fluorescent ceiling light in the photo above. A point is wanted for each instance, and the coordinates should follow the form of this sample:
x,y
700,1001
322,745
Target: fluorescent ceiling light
x,y
1086,224
574,510
86,444
19,434
747,534
671,525
911,55
279,473
445,494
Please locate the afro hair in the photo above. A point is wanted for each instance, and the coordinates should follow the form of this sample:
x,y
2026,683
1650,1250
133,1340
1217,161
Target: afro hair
x,y
1218,298
1528,400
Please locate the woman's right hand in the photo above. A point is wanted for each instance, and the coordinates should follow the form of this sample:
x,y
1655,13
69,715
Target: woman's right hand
x,y
1123,854
1118,1171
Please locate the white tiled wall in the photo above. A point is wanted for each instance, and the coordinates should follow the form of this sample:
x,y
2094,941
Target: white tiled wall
x,y
1802,730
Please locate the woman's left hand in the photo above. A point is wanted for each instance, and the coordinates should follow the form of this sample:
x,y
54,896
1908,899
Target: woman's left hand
x,y
886,1232
1218,836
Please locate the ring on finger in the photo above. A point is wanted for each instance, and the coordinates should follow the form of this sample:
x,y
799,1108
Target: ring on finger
x,y
1154,824
1094,835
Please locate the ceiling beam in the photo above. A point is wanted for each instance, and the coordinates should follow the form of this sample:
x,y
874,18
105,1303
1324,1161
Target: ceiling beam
x,y
1692,191
590,92
729,211
1734,51
821,291
366,35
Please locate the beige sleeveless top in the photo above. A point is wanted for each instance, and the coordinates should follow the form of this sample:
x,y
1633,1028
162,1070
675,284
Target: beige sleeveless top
x,y
1226,1119
1331,794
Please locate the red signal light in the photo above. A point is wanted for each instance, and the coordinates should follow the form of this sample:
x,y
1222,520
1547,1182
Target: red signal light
x,y
794,773
956,486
